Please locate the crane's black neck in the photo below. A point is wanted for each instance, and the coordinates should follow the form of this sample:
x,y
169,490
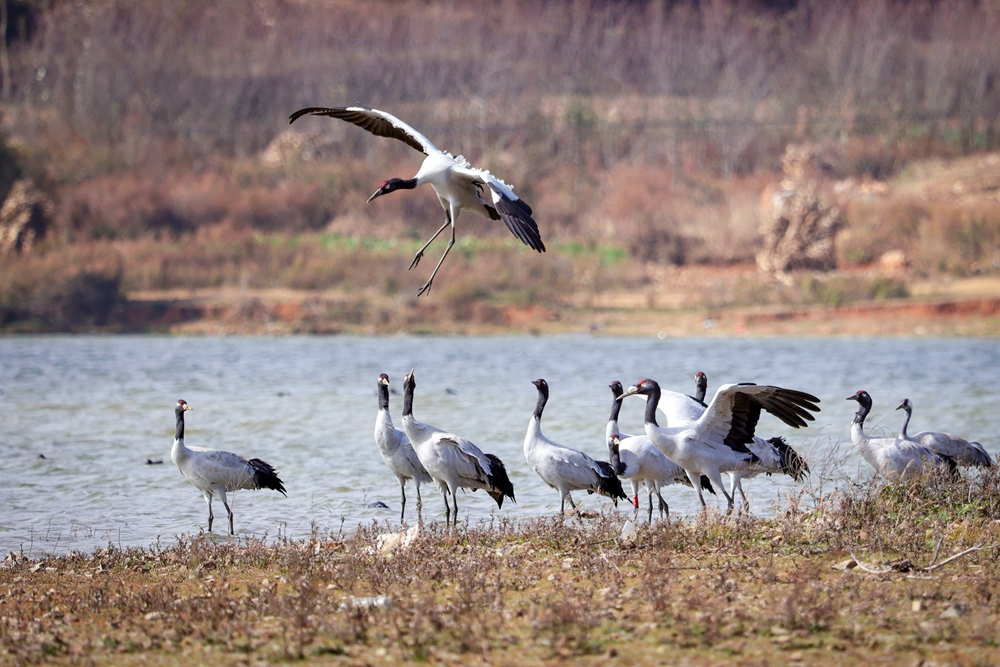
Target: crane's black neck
x,y
652,400
543,398
179,434
906,420
701,388
616,459
408,386
383,395
616,405
864,407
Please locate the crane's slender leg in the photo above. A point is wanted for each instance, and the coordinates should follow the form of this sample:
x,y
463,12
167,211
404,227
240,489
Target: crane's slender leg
x,y
402,490
664,508
447,509
420,253
231,532
696,483
420,505
650,498
427,286
208,499
454,518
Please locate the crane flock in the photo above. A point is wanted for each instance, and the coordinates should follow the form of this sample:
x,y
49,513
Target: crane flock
x,y
695,446
697,443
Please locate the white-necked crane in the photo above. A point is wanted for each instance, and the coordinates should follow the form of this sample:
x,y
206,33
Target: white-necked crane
x,y
635,458
459,186
452,461
215,472
716,442
395,448
563,468
963,452
775,455
895,458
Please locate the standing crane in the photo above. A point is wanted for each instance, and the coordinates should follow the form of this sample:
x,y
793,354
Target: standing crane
x,y
717,441
214,472
395,448
459,186
563,468
964,453
452,461
896,458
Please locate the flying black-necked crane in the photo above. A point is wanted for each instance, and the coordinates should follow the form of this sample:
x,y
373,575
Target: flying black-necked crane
x,y
717,441
896,458
563,468
635,458
395,448
963,452
775,455
459,186
452,461
215,472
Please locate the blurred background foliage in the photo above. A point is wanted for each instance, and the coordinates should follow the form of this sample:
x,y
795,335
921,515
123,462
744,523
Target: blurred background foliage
x,y
642,133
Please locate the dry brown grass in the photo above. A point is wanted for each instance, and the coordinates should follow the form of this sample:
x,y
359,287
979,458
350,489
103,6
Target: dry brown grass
x,y
704,591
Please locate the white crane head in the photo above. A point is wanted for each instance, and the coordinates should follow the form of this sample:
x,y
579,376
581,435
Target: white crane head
x,y
905,405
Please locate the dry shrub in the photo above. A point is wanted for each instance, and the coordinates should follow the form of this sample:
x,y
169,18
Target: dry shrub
x,y
73,289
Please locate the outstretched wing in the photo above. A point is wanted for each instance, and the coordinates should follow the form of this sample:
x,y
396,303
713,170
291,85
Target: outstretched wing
x,y
513,211
379,123
733,413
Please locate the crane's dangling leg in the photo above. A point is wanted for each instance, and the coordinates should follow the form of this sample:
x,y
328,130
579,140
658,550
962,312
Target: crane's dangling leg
x,y
420,253
427,286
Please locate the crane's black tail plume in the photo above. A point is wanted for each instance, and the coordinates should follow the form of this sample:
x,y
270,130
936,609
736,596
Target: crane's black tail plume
x,y
500,484
265,476
706,484
792,464
608,483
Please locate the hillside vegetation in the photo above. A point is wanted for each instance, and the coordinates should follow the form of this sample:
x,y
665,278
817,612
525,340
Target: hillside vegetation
x,y
642,133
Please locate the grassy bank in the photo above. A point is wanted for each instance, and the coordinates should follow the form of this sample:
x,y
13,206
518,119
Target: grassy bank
x,y
743,590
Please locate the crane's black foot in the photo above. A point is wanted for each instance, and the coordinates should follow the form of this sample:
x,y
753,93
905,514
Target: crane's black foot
x,y
416,259
426,289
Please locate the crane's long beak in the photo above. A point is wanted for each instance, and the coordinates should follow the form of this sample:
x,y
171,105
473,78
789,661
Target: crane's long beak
x,y
901,406
632,391
378,193
851,398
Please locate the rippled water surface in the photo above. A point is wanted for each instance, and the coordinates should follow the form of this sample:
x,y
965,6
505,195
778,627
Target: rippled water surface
x,y
96,408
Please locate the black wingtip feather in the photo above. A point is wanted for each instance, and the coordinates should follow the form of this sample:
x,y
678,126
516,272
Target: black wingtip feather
x,y
266,477
499,481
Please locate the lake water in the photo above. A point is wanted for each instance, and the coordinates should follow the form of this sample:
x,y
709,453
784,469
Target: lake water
x,y
97,407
